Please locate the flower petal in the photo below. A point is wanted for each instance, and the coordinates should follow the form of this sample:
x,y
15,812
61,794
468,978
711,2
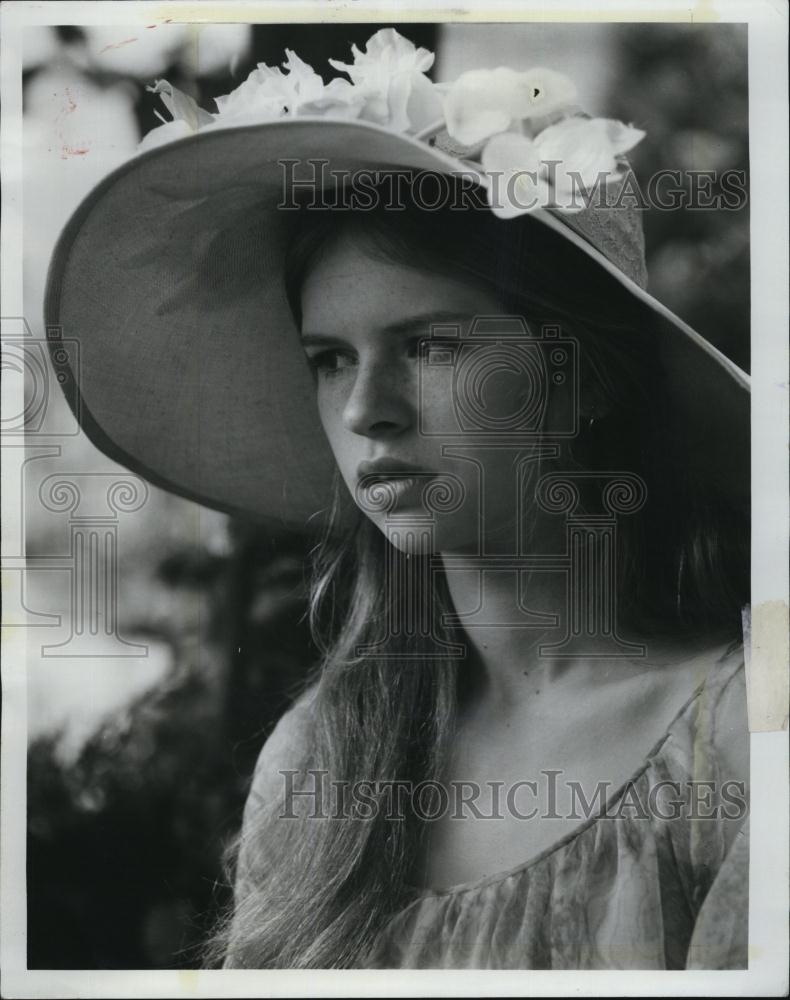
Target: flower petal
x,y
389,75
389,45
517,182
485,101
542,92
579,146
622,137
398,95
269,93
477,105
181,106
262,96
303,81
340,99
385,49
425,103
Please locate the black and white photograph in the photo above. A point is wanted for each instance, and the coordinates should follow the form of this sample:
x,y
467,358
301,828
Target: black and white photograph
x,y
395,521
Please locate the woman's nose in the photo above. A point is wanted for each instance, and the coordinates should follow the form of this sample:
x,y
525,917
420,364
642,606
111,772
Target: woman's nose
x,y
381,401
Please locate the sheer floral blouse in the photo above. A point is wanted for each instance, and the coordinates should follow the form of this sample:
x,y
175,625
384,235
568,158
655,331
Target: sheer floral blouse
x,y
662,890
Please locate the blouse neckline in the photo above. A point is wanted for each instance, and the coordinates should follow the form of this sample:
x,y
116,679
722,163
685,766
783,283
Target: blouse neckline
x,y
461,887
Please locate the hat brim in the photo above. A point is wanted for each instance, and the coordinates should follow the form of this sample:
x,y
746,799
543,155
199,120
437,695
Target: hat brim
x,y
189,370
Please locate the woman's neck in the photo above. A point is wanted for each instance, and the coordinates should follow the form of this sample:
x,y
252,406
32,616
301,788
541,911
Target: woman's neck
x,y
503,640
505,617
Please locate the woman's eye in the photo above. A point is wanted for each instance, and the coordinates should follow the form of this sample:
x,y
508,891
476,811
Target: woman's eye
x,y
330,361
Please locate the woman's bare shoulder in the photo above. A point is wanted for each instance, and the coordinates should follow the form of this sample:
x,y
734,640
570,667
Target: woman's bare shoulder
x,y
293,726
284,750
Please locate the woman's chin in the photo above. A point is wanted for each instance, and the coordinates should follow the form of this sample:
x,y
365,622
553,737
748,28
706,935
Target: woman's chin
x,y
413,537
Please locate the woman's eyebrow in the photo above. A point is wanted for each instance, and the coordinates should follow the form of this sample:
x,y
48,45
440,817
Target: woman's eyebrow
x,y
404,326
443,317
307,339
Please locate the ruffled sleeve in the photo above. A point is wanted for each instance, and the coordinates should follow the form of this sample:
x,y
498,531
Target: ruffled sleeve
x,y
720,847
720,938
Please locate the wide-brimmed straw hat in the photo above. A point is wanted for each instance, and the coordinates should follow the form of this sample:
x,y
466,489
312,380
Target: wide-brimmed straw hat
x,y
170,275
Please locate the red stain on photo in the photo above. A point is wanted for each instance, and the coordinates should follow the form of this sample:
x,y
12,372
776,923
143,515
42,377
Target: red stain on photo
x,y
66,149
117,45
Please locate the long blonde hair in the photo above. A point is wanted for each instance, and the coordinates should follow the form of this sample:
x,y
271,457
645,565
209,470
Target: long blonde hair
x,y
321,890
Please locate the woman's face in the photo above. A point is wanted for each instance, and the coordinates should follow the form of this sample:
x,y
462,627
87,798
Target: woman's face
x,y
391,413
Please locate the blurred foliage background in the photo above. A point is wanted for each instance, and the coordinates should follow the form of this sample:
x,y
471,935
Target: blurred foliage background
x,y
132,795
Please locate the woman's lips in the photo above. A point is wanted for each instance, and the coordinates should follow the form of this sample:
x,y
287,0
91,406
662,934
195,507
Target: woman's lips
x,y
389,468
405,487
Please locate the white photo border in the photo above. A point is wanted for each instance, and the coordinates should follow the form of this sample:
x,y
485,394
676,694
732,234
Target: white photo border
x,y
768,141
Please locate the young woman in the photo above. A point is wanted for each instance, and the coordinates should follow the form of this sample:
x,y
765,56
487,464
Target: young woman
x,y
526,744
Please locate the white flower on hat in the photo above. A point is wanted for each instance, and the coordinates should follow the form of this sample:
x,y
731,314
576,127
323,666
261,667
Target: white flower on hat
x,y
269,93
180,105
485,102
390,77
534,148
584,151
517,177
557,167
266,95
187,116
